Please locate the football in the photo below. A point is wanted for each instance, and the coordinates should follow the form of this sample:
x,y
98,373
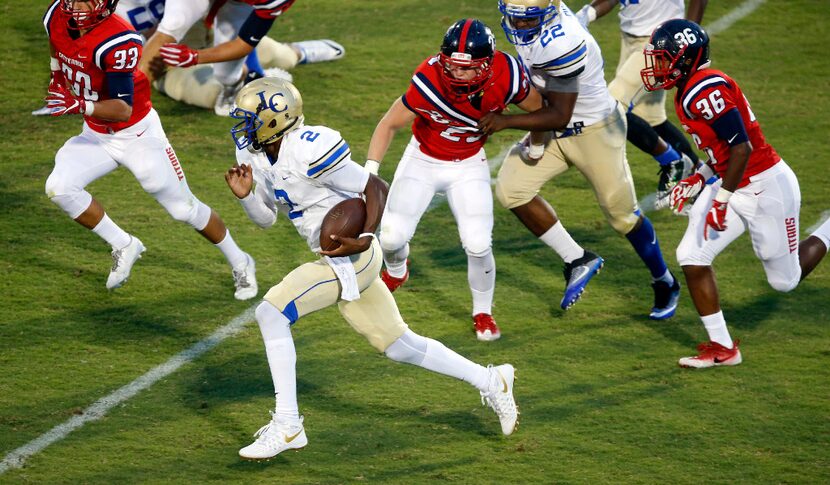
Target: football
x,y
344,219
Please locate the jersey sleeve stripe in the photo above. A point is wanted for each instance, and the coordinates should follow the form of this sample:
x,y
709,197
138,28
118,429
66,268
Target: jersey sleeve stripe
x,y
515,80
431,94
708,82
119,39
319,168
279,6
565,61
47,17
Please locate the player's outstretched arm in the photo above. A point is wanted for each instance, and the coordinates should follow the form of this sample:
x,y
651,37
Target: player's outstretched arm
x,y
151,52
375,195
555,116
398,116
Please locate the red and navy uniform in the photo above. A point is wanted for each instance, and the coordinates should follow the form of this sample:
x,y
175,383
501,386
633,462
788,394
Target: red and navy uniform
x,y
269,9
714,110
445,125
110,48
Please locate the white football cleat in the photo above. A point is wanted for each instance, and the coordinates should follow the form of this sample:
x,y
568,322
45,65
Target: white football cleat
x,y
274,438
501,398
224,101
244,279
122,262
322,50
279,73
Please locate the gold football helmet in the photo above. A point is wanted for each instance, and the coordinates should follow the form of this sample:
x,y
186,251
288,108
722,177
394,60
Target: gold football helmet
x,y
267,108
534,15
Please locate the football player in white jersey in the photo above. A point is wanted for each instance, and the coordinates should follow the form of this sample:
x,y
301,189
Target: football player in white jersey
x,y
302,172
648,127
239,28
588,130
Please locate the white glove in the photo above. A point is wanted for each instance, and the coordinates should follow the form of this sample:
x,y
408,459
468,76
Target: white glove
x,y
586,15
372,166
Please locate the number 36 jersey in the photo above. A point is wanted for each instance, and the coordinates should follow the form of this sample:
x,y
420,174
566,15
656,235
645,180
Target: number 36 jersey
x,y
445,126
111,47
313,171
707,96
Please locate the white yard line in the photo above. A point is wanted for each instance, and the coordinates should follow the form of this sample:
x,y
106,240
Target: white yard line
x,y
18,457
97,410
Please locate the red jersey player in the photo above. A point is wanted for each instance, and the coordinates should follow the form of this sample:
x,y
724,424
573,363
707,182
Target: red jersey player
x,y
448,94
757,190
94,58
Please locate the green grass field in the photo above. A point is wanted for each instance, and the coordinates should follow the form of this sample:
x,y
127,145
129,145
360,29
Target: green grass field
x,y
601,397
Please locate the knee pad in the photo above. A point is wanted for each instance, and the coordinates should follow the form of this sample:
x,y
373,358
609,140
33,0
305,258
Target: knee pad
x,y
687,255
781,285
191,211
276,54
391,240
72,199
478,247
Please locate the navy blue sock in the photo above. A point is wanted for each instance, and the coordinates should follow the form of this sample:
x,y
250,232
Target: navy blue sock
x,y
645,243
252,62
667,156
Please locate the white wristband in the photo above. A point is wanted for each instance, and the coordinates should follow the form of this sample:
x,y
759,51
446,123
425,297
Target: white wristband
x,y
54,64
723,195
367,234
535,151
592,13
89,107
705,171
372,166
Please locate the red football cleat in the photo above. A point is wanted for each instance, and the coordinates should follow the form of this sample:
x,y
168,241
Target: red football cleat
x,y
394,283
486,328
713,354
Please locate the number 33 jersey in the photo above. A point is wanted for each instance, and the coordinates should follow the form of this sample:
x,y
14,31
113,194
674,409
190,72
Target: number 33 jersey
x,y
708,95
445,125
111,47
312,173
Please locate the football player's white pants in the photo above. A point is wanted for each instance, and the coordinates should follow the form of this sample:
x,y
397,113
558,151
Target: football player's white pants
x,y
144,150
769,208
180,15
467,186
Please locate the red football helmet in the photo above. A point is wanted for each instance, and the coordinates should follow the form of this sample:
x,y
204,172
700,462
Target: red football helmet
x,y
88,18
468,44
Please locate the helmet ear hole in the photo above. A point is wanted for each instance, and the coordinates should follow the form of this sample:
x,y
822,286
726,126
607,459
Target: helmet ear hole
x,y
272,124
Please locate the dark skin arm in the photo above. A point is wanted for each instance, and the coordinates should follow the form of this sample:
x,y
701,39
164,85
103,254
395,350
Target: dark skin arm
x,y
738,158
555,116
695,10
375,194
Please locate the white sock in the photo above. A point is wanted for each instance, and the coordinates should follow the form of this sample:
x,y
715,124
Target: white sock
x,y
823,233
234,255
111,233
282,359
395,261
716,328
560,241
430,354
481,274
667,277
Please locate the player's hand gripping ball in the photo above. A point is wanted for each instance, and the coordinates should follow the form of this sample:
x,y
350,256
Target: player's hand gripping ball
x,y
346,219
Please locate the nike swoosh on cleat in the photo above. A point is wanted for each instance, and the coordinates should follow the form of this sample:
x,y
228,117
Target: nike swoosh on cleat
x,y
289,439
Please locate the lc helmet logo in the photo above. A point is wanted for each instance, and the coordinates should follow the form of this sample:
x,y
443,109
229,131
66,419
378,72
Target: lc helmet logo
x,y
267,108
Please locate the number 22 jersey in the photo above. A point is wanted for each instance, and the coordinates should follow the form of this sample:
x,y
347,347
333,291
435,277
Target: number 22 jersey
x,y
109,47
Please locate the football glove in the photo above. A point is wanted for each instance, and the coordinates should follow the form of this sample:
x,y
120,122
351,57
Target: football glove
x,y
686,189
179,55
716,217
61,101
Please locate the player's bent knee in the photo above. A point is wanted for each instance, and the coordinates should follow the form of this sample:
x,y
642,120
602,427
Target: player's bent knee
x,y
783,286
478,248
191,211
390,239
409,348
511,199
